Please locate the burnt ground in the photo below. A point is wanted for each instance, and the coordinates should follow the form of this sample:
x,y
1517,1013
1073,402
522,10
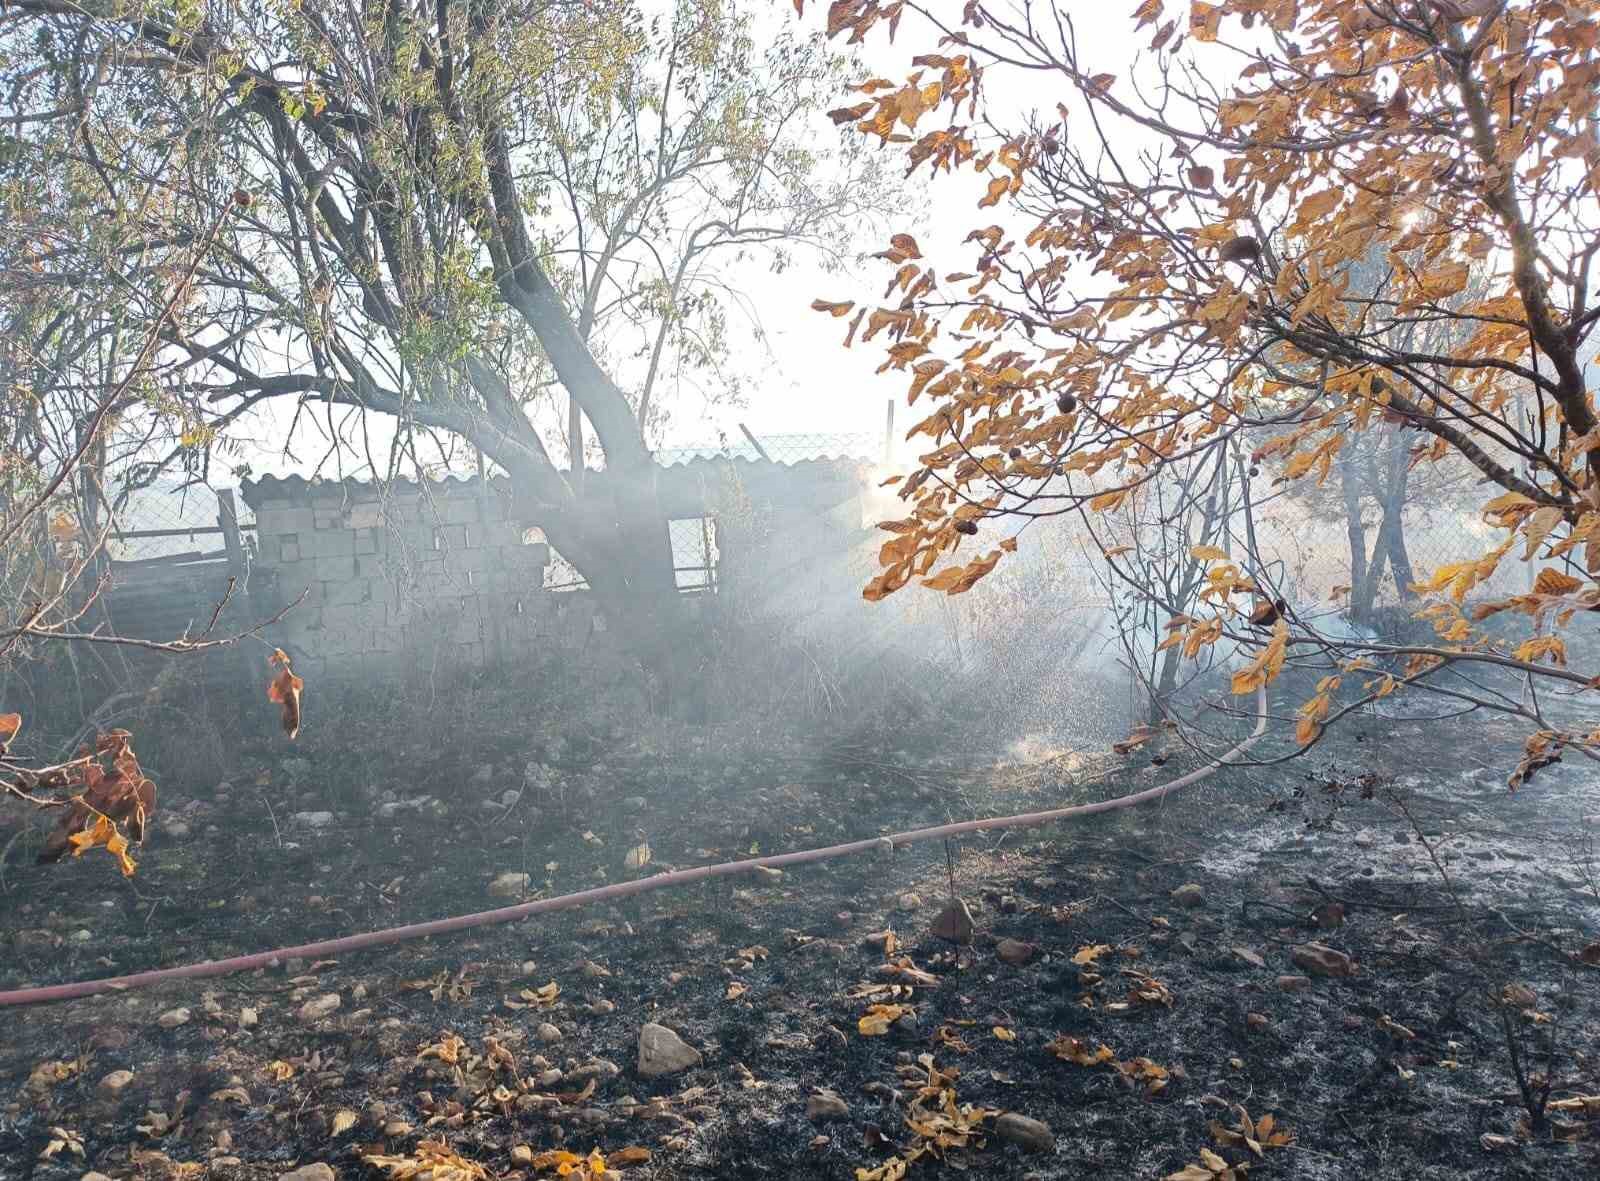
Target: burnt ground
x,y
1450,891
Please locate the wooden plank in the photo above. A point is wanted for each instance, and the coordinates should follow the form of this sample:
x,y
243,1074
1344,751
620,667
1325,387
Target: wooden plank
x,y
191,531
193,555
228,522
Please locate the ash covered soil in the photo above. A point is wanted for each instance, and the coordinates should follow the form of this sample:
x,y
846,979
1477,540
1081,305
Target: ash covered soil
x,y
1355,945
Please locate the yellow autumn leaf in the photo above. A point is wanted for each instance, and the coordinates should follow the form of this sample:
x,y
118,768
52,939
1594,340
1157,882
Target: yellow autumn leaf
x,y
997,189
1319,205
1538,528
1107,501
1004,1034
1550,648
1207,553
1088,954
1554,582
878,1018
1264,669
343,1120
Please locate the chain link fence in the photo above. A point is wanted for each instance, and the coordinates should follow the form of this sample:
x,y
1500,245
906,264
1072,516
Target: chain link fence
x,y
171,520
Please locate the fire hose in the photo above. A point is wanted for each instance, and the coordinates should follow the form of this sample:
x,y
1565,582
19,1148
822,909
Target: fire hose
x,y
610,893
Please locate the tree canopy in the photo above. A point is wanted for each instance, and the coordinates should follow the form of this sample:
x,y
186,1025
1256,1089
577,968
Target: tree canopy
x,y
1174,263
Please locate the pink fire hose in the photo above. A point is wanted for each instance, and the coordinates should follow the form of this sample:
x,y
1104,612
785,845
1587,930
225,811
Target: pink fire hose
x,y
661,881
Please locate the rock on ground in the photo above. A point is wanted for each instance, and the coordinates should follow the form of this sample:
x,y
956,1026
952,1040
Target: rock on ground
x,y
316,1172
319,1007
509,885
173,1018
1014,951
1321,960
663,1052
1030,1134
1189,894
115,1083
824,1106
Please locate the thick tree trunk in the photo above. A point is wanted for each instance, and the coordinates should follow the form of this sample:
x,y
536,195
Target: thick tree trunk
x,y
617,538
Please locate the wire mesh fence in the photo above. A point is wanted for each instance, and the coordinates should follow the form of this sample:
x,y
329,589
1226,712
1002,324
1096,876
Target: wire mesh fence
x,y
171,520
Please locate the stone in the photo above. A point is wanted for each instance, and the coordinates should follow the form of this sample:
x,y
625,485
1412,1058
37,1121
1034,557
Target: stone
x,y
1321,960
1293,983
1329,915
177,829
315,1172
319,1007
173,1018
115,1083
910,902
1031,1135
1190,894
954,924
509,885
825,1106
93,1175
663,1052
313,819
596,1068
1014,951
248,1018
547,1033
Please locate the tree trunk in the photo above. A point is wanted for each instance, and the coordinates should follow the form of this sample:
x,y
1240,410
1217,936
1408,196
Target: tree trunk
x,y
1381,549
1395,503
1356,534
617,538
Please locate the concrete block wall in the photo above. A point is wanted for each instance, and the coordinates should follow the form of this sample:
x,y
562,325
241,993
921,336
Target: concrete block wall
x,y
417,578
401,579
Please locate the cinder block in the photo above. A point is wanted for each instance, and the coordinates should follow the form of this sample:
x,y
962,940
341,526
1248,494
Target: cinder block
x,y
363,516
458,510
347,593
326,543
284,518
349,616
449,538
333,569
289,549
345,641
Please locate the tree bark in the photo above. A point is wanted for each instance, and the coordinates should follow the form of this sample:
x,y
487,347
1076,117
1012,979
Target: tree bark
x,y
1356,534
